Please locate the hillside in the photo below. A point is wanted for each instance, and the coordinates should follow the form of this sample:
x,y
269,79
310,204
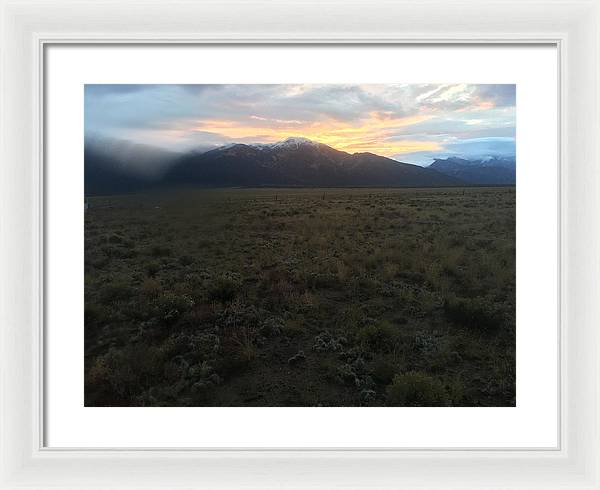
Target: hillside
x,y
298,162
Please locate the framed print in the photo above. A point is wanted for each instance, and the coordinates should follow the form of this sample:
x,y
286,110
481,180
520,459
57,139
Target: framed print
x,y
311,298
271,250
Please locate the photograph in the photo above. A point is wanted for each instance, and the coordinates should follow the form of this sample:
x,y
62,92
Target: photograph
x,y
300,245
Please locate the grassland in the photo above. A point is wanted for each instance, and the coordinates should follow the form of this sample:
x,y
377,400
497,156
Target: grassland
x,y
299,297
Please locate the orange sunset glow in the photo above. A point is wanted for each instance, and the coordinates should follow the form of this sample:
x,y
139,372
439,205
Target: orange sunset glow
x,y
412,123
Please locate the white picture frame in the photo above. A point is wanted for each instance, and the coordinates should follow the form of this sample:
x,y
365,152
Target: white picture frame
x,y
573,26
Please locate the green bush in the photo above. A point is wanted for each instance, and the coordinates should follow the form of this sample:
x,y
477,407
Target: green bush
x,y
415,389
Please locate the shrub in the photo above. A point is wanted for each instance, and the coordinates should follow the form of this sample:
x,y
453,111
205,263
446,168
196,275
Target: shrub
x,y
171,306
152,268
380,337
95,313
126,371
240,344
176,344
176,370
272,327
426,343
383,371
316,280
224,289
328,369
114,252
186,260
475,313
205,344
159,251
151,288
98,373
415,389
346,375
325,342
115,239
115,291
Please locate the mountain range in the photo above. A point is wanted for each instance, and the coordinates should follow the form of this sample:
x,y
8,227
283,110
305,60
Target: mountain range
x,y
486,171
297,162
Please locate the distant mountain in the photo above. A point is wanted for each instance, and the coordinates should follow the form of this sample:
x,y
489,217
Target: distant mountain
x,y
487,171
298,162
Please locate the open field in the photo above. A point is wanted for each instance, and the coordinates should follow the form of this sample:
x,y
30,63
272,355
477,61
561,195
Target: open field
x,y
301,297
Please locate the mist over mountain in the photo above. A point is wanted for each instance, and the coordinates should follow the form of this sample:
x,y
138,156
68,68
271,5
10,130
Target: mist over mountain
x,y
114,167
493,170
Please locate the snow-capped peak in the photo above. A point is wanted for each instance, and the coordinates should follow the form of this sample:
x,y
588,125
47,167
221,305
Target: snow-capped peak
x,y
293,142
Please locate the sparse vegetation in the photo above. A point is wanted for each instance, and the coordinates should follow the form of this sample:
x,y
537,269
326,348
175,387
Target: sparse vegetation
x,y
415,389
301,297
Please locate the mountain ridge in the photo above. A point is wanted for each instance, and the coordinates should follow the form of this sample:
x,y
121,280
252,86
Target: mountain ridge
x,y
293,162
481,171
298,162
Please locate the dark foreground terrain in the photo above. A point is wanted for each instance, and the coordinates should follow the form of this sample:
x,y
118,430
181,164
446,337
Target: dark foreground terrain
x,y
301,297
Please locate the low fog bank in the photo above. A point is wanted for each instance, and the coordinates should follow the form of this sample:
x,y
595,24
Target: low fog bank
x,y
128,158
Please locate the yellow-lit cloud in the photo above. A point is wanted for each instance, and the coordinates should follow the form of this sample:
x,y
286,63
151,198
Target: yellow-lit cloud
x,y
367,135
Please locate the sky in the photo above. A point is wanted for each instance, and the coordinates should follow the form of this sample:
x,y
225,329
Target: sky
x,y
409,123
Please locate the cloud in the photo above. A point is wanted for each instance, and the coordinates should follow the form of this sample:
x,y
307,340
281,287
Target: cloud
x,y
500,95
129,157
464,97
390,119
475,148
107,89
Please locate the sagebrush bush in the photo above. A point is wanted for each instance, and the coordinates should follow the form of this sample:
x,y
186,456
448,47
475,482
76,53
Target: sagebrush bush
x,y
416,389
